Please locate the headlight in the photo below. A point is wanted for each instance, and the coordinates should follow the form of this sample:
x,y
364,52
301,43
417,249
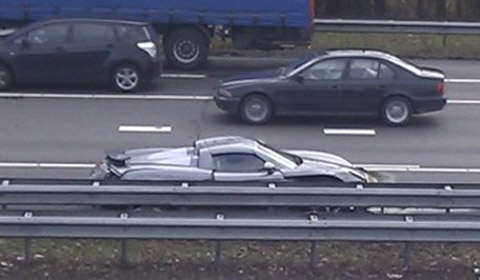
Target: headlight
x,y
224,93
364,175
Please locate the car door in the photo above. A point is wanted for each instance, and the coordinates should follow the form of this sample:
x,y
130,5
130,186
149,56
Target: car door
x,y
365,86
41,56
316,89
90,47
242,167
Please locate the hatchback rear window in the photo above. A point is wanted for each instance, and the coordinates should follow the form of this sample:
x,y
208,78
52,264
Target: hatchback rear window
x,y
133,33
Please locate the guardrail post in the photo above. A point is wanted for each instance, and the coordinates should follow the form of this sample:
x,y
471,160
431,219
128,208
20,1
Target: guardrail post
x,y
124,253
406,256
313,255
444,41
27,249
218,254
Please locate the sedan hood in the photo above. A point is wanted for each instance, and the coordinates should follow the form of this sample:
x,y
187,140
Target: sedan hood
x,y
251,77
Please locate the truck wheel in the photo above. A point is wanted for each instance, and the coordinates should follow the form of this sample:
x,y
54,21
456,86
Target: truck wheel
x,y
186,48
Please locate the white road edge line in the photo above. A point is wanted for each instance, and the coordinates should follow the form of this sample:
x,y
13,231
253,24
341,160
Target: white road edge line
x,y
106,96
369,167
352,132
183,76
144,129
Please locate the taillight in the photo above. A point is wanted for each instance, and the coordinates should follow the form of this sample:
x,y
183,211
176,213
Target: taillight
x,y
441,88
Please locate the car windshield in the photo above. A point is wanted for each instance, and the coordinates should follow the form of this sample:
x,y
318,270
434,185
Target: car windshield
x,y
284,70
285,159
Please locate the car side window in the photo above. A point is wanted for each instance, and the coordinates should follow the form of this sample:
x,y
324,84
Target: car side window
x,y
93,33
331,69
364,69
48,35
132,33
386,72
237,162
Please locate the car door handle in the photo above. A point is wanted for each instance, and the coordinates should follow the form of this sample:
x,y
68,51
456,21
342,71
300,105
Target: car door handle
x,y
110,46
337,87
60,49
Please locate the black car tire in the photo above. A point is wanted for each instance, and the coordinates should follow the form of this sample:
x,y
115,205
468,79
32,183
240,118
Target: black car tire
x,y
6,78
256,109
186,48
126,78
396,111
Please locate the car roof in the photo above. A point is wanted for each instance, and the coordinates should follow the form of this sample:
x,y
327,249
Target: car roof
x,y
357,53
216,142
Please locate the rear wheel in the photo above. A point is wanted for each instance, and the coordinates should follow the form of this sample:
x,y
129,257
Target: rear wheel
x,y
396,111
126,78
5,78
256,109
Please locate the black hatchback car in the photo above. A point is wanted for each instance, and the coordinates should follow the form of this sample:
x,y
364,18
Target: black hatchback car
x,y
122,54
340,82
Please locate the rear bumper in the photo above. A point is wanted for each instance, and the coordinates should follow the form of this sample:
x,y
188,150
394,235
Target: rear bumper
x,y
429,105
152,70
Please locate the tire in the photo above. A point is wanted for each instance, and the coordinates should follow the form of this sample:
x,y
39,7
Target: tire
x,y
396,111
6,78
256,109
186,48
126,78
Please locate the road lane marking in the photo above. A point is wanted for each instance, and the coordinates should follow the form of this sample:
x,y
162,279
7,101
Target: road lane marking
x,y
144,129
349,132
54,165
463,102
107,96
183,76
463,81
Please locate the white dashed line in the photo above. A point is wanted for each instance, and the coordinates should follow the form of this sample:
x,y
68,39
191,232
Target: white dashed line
x,y
107,96
183,76
351,132
463,81
144,129
46,165
463,102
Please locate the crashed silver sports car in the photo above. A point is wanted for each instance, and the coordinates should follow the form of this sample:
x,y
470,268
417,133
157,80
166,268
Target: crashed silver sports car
x,y
229,158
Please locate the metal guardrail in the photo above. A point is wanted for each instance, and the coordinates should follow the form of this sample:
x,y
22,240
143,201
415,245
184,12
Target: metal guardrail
x,y
240,194
397,26
314,228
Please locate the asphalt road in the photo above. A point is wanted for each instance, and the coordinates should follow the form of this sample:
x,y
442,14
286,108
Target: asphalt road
x,y
75,125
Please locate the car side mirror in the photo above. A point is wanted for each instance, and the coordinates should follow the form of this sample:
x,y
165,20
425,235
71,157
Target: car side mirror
x,y
24,43
269,167
299,78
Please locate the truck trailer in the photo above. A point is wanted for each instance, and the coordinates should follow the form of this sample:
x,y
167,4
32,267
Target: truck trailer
x,y
186,26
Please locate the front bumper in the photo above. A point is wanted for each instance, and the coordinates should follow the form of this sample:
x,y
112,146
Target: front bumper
x,y
229,105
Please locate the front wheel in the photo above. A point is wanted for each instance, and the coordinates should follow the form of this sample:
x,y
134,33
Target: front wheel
x,y
126,78
5,78
396,111
256,109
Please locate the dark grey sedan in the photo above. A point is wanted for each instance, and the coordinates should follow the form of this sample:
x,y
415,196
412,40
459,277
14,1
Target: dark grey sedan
x,y
341,82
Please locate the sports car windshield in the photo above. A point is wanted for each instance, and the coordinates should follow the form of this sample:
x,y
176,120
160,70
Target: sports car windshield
x,y
285,159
